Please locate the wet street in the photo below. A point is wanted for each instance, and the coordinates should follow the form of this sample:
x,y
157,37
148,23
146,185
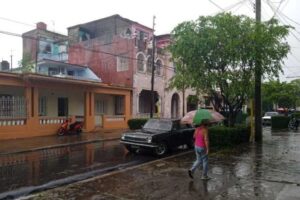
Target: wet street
x,y
21,173
270,170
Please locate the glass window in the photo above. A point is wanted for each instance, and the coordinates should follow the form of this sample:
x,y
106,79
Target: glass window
x,y
122,64
149,65
158,67
140,63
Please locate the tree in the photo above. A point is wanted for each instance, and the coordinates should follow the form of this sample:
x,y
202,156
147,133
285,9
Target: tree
x,y
285,95
26,64
218,54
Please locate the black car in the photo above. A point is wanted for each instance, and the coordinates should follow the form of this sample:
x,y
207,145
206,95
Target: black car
x,y
159,135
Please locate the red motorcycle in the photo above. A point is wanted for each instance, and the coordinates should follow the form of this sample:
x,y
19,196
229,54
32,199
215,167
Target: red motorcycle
x,y
66,128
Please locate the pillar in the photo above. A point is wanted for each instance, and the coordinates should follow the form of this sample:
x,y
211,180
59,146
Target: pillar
x,y
89,113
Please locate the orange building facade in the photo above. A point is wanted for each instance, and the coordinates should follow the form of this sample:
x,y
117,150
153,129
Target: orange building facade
x,y
33,104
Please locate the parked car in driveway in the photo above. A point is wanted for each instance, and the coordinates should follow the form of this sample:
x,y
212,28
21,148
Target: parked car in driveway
x,y
266,120
159,135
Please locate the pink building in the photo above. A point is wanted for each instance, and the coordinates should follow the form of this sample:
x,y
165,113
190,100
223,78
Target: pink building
x,y
119,51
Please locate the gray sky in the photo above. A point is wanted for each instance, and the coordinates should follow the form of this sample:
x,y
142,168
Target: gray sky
x,y
19,16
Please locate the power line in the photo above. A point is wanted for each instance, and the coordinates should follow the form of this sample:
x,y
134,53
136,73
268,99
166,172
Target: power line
x,y
278,7
211,1
18,22
229,7
280,18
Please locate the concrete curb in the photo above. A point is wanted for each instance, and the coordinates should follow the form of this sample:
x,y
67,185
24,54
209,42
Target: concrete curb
x,y
58,146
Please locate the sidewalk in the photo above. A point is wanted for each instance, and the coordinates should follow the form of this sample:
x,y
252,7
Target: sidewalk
x,y
46,142
270,170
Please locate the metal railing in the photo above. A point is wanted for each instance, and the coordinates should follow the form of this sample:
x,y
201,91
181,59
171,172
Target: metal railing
x,y
12,107
13,111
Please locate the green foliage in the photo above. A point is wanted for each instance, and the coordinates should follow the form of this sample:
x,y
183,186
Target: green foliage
x,y
279,122
217,55
221,136
26,64
285,95
193,99
136,123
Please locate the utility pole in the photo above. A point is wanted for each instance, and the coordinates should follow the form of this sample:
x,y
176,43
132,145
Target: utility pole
x,y
152,71
11,60
258,122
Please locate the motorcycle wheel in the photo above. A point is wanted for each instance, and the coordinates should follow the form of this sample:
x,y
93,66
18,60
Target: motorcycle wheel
x,y
61,132
78,131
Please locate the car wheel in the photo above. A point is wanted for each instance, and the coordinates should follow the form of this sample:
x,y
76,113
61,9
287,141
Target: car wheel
x,y
78,131
61,132
161,149
130,149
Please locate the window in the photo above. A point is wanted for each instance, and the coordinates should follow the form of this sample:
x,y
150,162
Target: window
x,y
149,64
100,107
140,63
119,105
6,106
70,73
42,106
158,67
122,64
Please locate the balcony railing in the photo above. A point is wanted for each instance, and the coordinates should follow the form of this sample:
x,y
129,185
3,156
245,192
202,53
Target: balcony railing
x,y
52,120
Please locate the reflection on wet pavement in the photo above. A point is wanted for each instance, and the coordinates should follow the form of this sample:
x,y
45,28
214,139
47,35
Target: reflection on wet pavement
x,y
270,170
39,167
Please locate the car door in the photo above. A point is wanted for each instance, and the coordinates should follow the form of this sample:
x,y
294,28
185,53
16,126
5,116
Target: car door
x,y
177,134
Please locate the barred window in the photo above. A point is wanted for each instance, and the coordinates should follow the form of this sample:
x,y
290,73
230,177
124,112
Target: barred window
x,y
140,63
42,106
100,107
119,105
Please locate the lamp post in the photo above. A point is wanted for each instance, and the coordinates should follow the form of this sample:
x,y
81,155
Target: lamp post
x,y
152,71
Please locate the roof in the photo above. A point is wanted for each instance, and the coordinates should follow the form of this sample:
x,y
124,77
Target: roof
x,y
48,61
112,16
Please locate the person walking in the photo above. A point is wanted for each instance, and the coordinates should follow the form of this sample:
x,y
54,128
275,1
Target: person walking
x,y
201,150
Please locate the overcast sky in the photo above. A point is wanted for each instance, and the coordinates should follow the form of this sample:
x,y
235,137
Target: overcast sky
x,y
19,16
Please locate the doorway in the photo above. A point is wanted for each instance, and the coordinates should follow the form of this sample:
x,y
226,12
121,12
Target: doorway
x,y
62,107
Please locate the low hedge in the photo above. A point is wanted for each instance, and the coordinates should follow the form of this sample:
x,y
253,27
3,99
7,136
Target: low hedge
x,y
222,136
279,122
136,123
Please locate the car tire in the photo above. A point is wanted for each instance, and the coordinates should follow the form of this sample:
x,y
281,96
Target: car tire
x,y
61,132
78,131
161,149
131,150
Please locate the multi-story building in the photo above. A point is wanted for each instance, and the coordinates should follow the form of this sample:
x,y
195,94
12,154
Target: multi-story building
x,y
119,50
40,43
36,102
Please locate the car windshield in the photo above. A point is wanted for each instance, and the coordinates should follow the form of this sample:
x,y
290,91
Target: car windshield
x,y
271,113
158,124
